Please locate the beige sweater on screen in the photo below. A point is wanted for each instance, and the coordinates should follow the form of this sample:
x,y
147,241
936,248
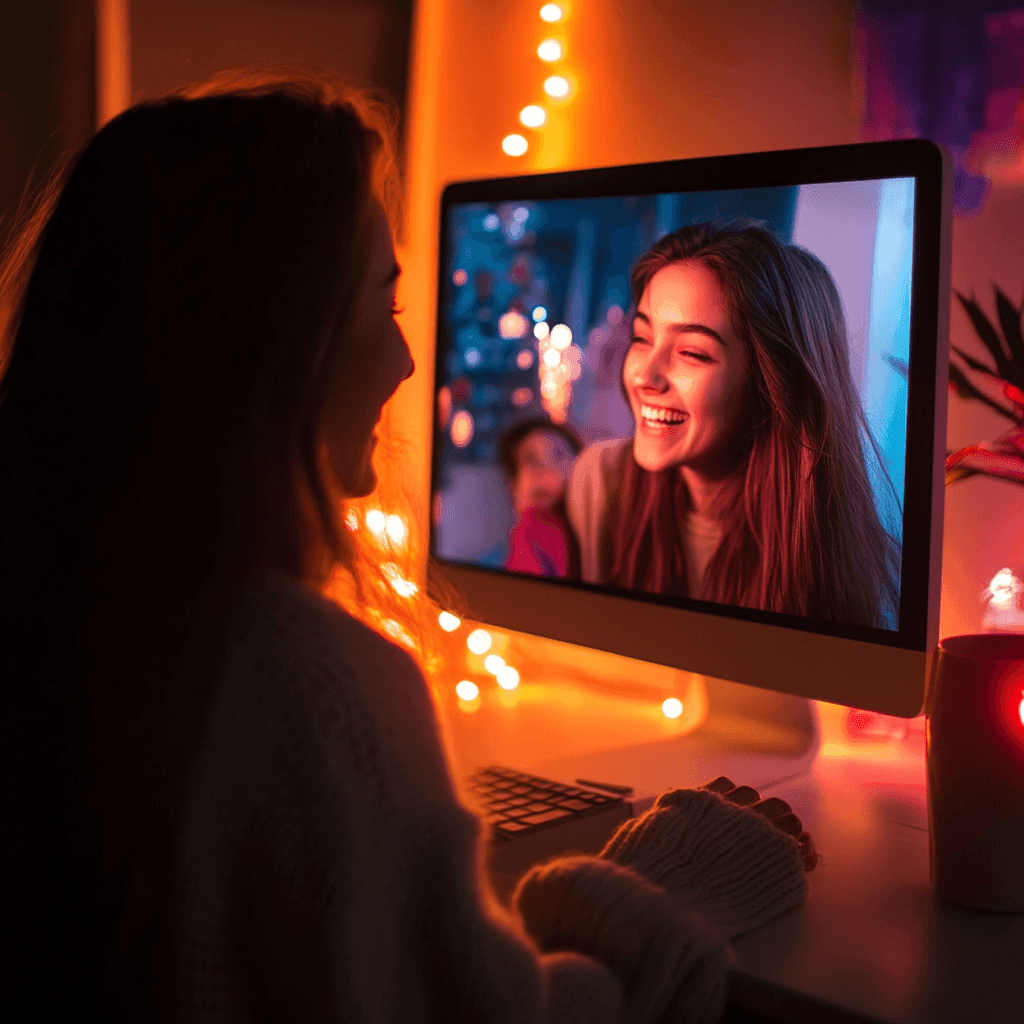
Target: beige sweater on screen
x,y
326,870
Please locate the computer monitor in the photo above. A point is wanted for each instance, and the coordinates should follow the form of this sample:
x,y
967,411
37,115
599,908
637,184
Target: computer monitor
x,y
750,355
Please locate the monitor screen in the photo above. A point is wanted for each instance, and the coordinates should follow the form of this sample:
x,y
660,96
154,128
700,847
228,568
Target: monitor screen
x,y
688,412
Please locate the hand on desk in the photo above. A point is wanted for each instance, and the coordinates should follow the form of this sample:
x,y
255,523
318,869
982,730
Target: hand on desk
x,y
726,853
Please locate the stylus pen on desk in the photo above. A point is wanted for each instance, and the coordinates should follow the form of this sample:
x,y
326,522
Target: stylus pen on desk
x,y
608,787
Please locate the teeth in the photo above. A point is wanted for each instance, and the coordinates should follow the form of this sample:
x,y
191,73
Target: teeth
x,y
656,414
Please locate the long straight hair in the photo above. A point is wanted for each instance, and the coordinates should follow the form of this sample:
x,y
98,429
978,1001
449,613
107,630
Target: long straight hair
x,y
801,533
169,318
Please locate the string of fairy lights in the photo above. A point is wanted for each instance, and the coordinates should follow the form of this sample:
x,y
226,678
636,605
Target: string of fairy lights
x,y
557,85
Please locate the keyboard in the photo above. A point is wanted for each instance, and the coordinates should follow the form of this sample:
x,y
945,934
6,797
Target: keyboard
x,y
516,804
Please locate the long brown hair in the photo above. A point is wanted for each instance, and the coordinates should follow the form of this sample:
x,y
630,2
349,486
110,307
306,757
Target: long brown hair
x,y
801,533
168,311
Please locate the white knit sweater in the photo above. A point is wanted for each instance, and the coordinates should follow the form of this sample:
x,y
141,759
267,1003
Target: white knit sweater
x,y
325,869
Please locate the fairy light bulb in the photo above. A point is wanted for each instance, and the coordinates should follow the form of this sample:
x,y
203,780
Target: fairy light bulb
x,y
467,690
514,145
479,641
672,707
551,13
448,622
533,116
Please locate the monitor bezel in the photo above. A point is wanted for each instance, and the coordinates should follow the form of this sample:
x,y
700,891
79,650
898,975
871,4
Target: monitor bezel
x,y
871,668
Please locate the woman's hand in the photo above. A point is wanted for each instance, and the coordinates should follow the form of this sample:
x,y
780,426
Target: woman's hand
x,y
738,860
777,811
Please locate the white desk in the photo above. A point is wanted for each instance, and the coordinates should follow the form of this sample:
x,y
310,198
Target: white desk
x,y
871,944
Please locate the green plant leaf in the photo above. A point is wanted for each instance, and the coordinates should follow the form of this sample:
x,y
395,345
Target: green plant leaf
x,y
975,364
1009,320
989,336
965,389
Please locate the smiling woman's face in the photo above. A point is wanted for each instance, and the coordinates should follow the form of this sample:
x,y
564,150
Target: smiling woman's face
x,y
685,374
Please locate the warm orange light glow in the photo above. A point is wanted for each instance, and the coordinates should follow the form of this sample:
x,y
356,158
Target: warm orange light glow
x,y
1020,710
539,313
444,407
672,707
551,13
514,145
460,277
508,677
448,622
400,585
479,641
396,529
541,330
462,428
533,116
513,324
494,663
467,690
614,315
524,360
376,522
521,397
557,87
550,50
352,520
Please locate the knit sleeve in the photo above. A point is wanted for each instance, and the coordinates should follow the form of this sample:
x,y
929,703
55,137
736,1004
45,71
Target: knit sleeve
x,y
329,871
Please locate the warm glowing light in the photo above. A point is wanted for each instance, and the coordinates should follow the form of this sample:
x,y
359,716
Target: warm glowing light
x,y
550,50
448,622
533,116
494,663
396,529
400,585
462,428
561,337
551,13
352,520
479,641
513,324
514,145
672,707
614,315
376,522
395,631
467,690
539,313
460,277
521,397
444,406
551,357
556,87
541,330
508,677
524,360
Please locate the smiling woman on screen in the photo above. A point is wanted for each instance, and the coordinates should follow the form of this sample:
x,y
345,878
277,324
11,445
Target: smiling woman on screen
x,y
745,480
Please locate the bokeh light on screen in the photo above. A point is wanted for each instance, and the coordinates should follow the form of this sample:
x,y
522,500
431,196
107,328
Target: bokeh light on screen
x,y
556,87
533,116
520,214
462,428
539,313
444,407
491,222
551,13
472,356
494,663
513,324
467,690
514,145
448,622
672,707
524,360
479,641
521,397
541,330
460,277
508,677
614,315
550,50
551,357
561,337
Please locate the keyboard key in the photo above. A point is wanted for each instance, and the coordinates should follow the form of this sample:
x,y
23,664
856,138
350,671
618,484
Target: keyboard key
x,y
516,812
511,827
574,805
543,818
537,806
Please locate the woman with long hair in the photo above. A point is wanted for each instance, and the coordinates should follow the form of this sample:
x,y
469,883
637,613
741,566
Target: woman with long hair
x,y
226,796
746,480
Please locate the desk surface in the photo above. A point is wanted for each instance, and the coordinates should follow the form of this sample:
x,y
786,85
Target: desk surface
x,y
871,944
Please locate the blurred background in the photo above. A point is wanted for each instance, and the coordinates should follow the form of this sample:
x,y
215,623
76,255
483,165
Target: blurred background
x,y
513,86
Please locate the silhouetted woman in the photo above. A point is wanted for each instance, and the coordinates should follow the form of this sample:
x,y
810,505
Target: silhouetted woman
x,y
226,797
745,481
